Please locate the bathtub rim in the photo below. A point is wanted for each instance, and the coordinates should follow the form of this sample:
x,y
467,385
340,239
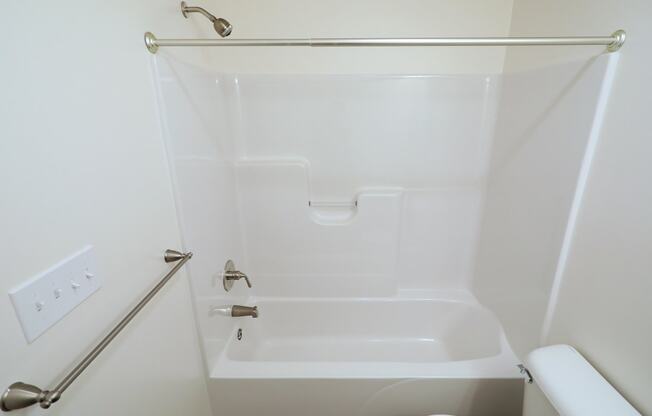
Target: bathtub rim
x,y
500,366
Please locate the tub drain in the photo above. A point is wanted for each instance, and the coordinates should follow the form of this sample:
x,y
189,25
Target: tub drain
x,y
239,335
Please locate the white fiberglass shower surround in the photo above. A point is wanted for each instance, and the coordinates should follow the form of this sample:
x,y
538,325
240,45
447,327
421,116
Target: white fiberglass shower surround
x,y
380,220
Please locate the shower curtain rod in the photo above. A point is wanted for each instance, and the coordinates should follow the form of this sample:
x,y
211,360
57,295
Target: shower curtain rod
x,y
612,42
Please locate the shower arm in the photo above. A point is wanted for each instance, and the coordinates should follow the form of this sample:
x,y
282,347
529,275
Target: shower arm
x,y
194,9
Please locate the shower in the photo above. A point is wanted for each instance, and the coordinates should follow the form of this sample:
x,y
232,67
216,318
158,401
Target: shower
x,y
221,26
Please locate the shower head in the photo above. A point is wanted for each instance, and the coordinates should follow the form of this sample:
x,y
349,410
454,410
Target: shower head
x,y
221,26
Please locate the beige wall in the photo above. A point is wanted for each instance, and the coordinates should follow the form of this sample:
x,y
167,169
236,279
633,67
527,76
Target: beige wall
x,y
603,306
360,18
82,162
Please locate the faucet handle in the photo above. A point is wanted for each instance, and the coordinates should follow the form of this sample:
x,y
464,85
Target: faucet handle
x,y
230,274
237,275
244,276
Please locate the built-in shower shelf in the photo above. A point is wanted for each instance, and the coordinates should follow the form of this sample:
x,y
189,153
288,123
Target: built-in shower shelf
x,y
332,204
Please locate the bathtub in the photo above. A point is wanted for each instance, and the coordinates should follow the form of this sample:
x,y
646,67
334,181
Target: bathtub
x,y
381,356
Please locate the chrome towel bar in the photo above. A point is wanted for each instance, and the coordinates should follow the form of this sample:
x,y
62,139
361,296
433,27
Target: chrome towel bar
x,y
613,42
20,395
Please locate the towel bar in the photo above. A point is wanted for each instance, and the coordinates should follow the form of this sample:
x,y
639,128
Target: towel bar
x,y
20,395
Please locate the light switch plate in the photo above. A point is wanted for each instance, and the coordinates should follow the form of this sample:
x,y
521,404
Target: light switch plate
x,y
49,296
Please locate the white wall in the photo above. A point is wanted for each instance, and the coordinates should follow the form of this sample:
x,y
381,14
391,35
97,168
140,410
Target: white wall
x,y
410,151
543,136
82,161
603,306
360,18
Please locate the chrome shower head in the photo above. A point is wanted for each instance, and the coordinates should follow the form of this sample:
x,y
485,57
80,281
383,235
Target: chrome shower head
x,y
221,26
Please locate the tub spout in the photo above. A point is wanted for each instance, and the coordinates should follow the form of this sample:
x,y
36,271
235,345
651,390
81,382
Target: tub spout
x,y
237,310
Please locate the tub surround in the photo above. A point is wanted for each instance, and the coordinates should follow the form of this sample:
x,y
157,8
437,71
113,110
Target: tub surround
x,y
355,204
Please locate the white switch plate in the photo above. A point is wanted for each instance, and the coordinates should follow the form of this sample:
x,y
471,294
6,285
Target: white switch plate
x,y
49,296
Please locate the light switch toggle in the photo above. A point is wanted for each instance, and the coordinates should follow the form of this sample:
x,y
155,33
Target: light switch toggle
x,y
89,275
74,285
39,305
57,293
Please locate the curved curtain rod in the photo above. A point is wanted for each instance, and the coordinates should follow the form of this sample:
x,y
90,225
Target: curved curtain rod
x,y
612,42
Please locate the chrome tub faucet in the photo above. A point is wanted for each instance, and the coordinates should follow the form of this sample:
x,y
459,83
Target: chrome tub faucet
x,y
236,311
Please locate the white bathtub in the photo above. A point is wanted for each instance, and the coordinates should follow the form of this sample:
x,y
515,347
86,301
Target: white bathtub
x,y
349,357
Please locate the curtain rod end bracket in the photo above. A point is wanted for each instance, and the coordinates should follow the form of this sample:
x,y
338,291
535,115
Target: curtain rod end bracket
x,y
150,42
619,39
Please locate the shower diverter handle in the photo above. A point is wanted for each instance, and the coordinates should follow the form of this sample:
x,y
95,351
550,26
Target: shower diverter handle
x,y
230,275
237,275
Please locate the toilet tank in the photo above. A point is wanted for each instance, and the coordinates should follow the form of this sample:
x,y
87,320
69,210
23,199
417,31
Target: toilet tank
x,y
566,384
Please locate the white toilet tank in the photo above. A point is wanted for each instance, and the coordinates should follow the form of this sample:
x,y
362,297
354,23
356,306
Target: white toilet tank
x,y
566,384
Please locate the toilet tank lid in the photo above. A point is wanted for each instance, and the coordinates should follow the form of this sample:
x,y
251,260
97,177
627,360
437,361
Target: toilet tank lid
x,y
572,385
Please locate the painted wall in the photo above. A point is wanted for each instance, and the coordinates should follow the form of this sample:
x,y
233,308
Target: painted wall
x,y
603,293
360,18
82,162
